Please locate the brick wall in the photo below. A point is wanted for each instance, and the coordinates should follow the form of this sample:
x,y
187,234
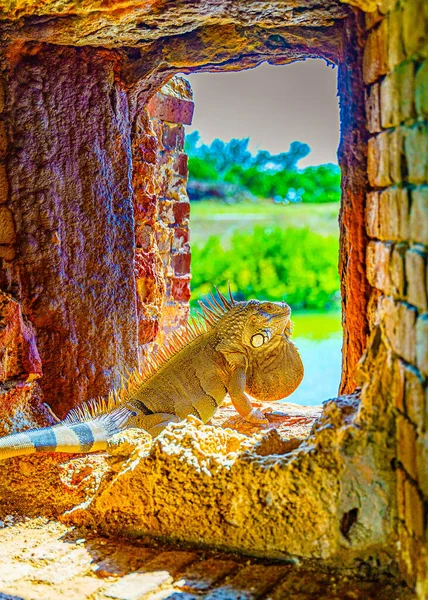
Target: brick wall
x,y
395,71
162,211
170,109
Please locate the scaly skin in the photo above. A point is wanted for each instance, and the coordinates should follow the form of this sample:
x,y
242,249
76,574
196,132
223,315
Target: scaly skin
x,y
242,347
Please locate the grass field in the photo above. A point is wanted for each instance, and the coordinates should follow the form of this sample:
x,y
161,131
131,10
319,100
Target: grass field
x,y
209,217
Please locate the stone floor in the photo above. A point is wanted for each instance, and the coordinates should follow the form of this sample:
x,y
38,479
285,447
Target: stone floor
x,y
46,560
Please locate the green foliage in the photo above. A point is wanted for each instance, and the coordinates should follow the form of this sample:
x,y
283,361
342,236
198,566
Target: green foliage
x,y
295,265
201,170
264,175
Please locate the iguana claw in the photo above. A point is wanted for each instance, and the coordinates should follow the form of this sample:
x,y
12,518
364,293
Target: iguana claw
x,y
256,417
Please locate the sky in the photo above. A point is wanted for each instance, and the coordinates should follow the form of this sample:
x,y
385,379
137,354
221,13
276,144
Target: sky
x,y
273,105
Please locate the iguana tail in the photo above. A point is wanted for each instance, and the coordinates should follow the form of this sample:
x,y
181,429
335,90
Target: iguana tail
x,y
86,436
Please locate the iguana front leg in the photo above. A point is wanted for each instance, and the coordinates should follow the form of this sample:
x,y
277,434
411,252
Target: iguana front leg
x,y
240,401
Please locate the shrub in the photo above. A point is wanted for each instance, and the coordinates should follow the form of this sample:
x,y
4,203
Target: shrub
x,y
295,265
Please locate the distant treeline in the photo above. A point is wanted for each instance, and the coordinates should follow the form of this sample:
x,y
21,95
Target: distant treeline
x,y
263,174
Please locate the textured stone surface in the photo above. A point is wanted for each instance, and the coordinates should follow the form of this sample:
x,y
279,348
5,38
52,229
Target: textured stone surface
x,y
135,24
68,187
419,215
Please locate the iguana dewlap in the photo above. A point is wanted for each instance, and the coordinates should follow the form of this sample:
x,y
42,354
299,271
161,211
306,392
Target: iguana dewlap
x,y
238,347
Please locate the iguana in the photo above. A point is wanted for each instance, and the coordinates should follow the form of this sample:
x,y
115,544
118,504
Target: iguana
x,y
236,347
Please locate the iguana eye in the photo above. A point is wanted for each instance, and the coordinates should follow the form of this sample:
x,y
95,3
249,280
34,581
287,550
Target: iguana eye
x,y
268,306
257,340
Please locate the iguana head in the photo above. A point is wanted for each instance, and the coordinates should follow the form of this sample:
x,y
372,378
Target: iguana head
x,y
264,321
252,324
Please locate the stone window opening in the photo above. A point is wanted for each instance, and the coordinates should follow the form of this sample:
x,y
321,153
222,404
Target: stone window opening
x,y
282,91
87,181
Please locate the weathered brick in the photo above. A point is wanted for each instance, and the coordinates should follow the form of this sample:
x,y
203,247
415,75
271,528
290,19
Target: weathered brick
x,y
137,585
389,217
419,215
180,164
378,160
414,27
414,509
402,198
173,136
415,276
181,263
7,226
415,397
406,445
398,383
180,289
181,212
421,90
171,109
181,238
389,101
375,58
253,580
372,100
401,478
378,259
400,321
396,155
422,462
205,574
409,553
395,39
422,344
372,214
406,83
173,561
416,147
397,271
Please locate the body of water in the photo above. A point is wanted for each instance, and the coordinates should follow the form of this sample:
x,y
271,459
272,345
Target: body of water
x,y
318,336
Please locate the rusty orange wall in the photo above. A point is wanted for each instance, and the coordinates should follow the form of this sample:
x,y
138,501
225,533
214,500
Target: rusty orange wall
x,y
94,248
68,260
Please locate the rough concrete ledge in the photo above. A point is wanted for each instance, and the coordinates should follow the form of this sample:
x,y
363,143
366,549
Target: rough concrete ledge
x,y
262,494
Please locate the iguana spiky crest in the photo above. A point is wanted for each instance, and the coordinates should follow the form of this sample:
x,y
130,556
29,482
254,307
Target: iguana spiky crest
x,y
211,313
